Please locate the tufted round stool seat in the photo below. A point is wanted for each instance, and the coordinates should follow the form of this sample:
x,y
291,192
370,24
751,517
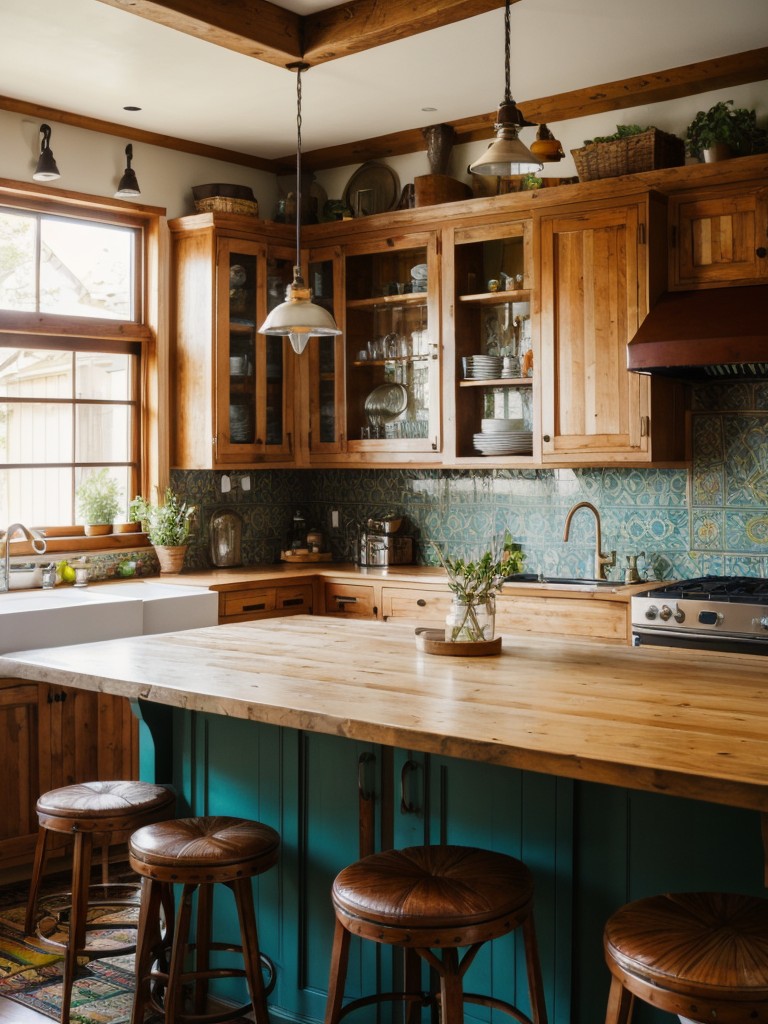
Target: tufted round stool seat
x,y
702,955
434,898
111,811
197,853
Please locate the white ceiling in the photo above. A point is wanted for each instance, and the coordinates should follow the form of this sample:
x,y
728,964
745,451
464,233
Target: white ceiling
x,y
91,59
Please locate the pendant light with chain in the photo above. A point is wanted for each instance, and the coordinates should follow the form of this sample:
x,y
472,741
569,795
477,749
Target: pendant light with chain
x,y
299,318
507,155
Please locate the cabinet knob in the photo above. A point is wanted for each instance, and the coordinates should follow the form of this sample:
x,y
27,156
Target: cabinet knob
x,y
761,252
421,603
546,438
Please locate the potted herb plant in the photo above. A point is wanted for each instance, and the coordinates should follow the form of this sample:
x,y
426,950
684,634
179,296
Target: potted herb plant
x,y
474,585
724,131
168,525
98,502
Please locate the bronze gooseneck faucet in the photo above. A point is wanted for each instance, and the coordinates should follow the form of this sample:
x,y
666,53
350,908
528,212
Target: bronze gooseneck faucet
x,y
602,562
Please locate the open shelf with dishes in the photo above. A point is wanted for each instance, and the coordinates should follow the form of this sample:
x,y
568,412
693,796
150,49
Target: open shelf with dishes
x,y
494,344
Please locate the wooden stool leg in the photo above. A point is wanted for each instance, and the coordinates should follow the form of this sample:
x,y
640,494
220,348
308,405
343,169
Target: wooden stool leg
x,y
38,868
203,944
412,984
243,893
533,967
173,992
620,1004
451,993
81,876
148,929
339,962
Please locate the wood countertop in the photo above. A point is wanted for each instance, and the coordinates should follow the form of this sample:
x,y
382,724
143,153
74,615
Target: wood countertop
x,y
686,723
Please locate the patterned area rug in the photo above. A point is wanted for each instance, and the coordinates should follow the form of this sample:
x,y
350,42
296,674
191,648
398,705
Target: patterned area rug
x,y
30,973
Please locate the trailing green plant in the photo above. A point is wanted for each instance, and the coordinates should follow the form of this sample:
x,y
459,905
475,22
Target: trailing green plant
x,y
98,498
167,524
735,127
623,131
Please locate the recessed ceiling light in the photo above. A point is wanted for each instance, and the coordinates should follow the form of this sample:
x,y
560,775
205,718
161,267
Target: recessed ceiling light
x,y
428,110
131,108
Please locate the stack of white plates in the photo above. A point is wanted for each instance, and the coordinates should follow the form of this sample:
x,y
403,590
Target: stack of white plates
x,y
482,367
508,442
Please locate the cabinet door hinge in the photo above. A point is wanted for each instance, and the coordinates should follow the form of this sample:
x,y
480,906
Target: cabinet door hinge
x,y
645,426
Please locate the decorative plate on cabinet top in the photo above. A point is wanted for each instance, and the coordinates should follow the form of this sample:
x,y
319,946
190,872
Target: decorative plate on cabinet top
x,y
373,188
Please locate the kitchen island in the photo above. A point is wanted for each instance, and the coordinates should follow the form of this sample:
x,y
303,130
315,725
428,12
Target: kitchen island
x,y
588,760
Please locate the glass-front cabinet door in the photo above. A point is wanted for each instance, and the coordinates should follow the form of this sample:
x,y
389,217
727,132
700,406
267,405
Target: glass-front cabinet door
x,y
253,374
494,342
393,350
324,361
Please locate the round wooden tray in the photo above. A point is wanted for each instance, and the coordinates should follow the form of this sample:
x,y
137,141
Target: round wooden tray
x,y
432,641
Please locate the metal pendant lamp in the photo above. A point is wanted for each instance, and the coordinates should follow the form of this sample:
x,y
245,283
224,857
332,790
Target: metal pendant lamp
x,y
299,318
507,155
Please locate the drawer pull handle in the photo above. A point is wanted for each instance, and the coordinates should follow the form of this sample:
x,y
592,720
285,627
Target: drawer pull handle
x,y
291,602
345,600
255,607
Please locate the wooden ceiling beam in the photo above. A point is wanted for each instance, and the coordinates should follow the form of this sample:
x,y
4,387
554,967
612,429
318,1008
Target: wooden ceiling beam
x,y
362,24
255,28
688,80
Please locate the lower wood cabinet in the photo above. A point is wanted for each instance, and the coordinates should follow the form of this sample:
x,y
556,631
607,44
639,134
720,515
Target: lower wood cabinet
x,y
578,616
350,600
415,604
265,602
56,736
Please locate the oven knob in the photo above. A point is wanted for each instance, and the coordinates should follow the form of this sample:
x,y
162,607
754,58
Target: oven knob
x,y
679,615
651,612
665,613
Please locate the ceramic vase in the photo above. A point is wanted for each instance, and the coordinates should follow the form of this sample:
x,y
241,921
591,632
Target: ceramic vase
x,y
440,138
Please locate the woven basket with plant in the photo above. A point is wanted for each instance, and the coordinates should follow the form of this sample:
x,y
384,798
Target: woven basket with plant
x,y
630,150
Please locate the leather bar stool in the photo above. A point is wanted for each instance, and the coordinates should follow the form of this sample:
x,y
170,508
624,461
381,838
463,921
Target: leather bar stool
x,y
198,853
110,811
426,899
701,955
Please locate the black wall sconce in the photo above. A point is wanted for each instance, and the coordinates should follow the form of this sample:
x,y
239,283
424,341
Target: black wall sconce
x,y
46,169
129,186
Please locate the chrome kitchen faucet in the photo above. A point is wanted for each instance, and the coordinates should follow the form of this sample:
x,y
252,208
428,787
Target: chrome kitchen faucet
x,y
38,546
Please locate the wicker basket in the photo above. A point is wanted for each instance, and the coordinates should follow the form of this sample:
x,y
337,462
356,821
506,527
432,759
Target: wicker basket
x,y
646,151
224,204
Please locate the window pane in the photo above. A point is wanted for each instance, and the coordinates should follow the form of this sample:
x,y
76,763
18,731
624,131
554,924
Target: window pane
x,y
86,269
36,497
103,433
17,261
102,375
119,473
35,374
35,432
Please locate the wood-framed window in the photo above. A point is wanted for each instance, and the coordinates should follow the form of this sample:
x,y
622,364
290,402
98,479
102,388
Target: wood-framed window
x,y
77,350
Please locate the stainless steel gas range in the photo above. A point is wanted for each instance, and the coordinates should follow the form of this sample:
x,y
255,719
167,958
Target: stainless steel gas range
x,y
719,613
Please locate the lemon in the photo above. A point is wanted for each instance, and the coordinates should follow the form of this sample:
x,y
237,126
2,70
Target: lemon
x,y
66,572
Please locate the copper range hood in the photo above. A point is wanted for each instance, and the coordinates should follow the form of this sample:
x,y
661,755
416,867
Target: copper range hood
x,y
711,333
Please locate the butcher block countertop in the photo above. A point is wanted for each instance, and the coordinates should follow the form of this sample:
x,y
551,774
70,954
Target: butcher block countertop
x,y
681,722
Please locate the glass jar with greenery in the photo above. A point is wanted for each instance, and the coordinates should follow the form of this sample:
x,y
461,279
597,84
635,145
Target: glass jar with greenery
x,y
474,584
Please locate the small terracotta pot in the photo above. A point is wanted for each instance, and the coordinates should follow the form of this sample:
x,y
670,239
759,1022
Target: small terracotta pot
x,y
171,559
126,527
97,529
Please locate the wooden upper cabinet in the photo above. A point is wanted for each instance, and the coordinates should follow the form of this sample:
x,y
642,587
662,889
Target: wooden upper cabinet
x,y
719,237
232,388
595,266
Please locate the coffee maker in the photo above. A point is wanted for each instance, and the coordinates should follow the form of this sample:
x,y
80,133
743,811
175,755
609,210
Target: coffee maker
x,y
382,543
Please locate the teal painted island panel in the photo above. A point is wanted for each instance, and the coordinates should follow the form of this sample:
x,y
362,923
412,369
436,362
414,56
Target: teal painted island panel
x,y
590,847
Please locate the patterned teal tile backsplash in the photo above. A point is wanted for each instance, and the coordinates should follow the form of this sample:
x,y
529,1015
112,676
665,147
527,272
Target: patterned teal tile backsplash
x,y
713,519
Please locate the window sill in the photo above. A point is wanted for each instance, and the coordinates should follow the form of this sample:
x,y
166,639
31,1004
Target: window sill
x,y
80,544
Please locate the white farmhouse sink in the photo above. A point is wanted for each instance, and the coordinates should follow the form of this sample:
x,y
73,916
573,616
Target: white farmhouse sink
x,y
52,618
31,619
